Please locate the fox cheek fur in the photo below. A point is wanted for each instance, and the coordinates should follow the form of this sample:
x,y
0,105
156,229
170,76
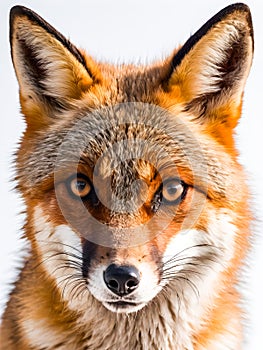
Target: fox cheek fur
x,y
137,207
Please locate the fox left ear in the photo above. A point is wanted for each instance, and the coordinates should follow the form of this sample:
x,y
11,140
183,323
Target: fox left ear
x,y
208,74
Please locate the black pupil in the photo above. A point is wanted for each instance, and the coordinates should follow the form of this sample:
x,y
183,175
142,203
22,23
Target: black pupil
x,y
172,189
80,185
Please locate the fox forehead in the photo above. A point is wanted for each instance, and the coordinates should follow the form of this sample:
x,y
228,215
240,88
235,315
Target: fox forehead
x,y
118,134
130,83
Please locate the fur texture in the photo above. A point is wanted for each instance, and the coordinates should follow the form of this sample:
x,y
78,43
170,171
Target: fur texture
x,y
131,167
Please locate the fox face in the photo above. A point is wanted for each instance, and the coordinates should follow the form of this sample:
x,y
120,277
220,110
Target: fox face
x,y
129,173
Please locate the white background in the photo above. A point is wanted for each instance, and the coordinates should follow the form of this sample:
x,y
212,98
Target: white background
x,y
132,31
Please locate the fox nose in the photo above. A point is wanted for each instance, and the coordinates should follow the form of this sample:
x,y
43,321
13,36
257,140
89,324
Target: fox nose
x,y
121,280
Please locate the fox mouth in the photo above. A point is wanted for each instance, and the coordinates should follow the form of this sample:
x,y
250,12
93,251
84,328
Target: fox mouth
x,y
123,306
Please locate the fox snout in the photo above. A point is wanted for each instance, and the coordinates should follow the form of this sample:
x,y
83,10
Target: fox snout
x,y
122,280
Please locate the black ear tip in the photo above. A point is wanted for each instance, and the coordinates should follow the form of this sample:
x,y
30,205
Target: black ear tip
x,y
246,13
22,11
237,7
15,11
18,10
244,9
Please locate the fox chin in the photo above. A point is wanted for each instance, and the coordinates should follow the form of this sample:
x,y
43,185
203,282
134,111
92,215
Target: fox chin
x,y
137,209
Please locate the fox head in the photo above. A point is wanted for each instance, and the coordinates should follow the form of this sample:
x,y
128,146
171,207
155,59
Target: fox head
x,y
129,173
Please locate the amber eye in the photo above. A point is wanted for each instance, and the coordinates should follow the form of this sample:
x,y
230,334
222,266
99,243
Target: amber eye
x,y
79,186
173,191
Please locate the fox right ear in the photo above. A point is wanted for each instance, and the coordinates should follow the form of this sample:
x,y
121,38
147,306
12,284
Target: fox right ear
x,y
51,72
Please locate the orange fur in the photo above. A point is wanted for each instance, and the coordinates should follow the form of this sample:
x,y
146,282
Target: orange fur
x,y
165,195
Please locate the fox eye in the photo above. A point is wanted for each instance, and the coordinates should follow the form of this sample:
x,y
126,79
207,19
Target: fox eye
x,y
79,186
173,191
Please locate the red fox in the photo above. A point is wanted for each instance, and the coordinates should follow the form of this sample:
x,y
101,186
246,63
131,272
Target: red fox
x,y
137,208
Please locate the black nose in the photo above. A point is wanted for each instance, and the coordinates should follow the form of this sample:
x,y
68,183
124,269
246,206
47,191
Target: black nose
x,y
121,280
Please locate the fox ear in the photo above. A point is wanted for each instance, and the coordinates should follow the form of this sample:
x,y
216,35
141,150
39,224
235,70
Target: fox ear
x,y
51,72
208,74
